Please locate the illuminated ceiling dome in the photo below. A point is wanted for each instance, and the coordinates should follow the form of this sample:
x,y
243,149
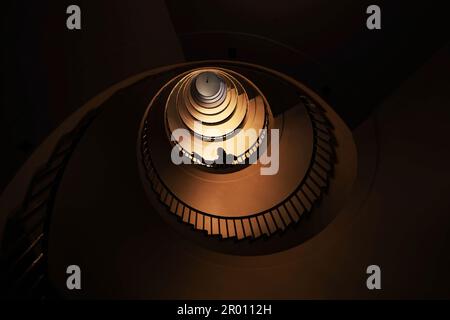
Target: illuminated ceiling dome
x,y
216,105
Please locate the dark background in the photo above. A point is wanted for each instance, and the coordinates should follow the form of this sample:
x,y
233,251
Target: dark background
x,y
390,86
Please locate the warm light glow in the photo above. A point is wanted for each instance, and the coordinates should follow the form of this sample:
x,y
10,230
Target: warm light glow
x,y
215,108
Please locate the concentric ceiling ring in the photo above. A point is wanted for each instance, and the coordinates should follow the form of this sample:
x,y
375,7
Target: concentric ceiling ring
x,y
242,203
225,115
